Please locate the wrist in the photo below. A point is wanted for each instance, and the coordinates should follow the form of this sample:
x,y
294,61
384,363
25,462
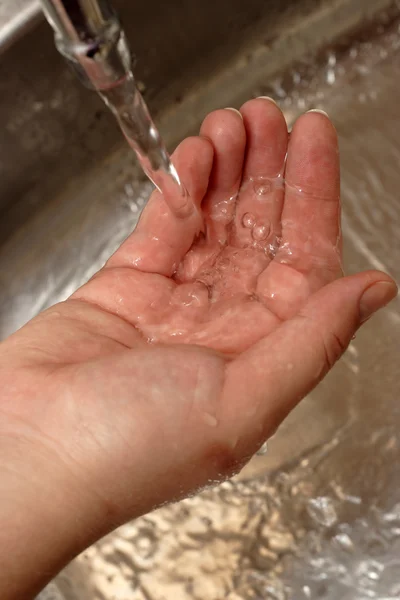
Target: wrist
x,y
46,517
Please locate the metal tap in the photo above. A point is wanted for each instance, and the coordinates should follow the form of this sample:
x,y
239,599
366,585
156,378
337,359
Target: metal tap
x,y
89,35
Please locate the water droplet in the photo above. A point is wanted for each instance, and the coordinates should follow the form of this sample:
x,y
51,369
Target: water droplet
x,y
248,220
261,232
393,515
344,541
370,569
263,450
210,419
223,211
330,76
332,60
273,593
262,188
322,511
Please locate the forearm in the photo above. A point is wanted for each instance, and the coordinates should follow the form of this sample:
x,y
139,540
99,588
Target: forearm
x,y
45,520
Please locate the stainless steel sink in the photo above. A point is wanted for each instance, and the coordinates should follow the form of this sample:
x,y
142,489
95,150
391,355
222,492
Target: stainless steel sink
x,y
316,516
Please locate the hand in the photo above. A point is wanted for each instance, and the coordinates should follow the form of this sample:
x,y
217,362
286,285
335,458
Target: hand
x,y
246,311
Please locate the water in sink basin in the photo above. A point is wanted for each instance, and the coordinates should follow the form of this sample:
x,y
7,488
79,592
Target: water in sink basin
x,y
242,536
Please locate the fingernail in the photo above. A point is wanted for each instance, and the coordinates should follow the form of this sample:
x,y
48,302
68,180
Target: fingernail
x,y
268,98
236,111
318,110
376,297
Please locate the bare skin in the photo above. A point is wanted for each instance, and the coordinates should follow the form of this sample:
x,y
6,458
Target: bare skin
x,y
98,425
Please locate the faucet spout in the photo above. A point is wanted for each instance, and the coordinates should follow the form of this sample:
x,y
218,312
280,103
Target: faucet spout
x,y
89,35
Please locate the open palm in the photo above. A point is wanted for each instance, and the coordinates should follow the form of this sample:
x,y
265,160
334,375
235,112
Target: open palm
x,y
178,359
270,234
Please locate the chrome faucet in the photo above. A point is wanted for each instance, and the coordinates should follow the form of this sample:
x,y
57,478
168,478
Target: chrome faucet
x,y
89,35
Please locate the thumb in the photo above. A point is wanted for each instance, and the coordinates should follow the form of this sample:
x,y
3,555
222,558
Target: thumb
x,y
265,383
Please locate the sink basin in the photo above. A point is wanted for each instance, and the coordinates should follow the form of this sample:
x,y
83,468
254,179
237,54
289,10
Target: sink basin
x,y
318,515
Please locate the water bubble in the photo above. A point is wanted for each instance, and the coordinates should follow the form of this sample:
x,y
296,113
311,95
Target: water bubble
x,y
369,571
129,191
272,249
393,516
261,232
248,220
330,76
263,187
322,511
344,541
223,211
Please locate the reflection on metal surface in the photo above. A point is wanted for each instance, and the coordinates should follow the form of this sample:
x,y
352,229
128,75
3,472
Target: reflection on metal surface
x,y
254,538
317,516
15,17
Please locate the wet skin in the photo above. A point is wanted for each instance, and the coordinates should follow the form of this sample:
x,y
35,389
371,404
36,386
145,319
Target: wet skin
x,y
246,310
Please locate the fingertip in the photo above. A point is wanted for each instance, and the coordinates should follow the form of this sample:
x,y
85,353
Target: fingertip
x,y
268,98
265,101
264,108
223,126
315,121
267,137
313,157
379,290
373,276
369,278
346,296
192,149
235,111
375,297
319,111
193,160
226,132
